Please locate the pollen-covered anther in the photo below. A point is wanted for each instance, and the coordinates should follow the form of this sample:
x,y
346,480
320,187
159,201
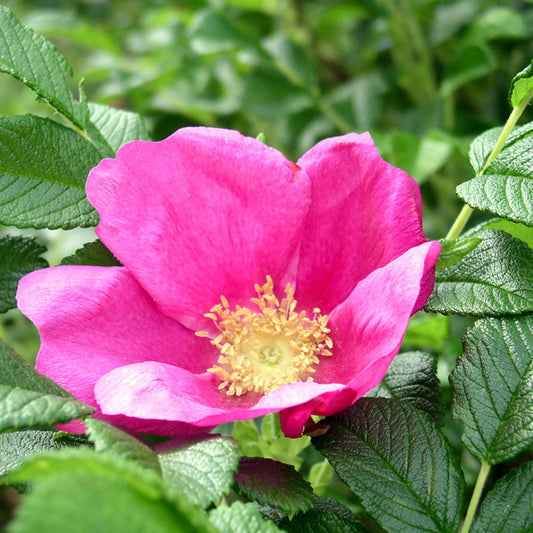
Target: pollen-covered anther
x,y
267,347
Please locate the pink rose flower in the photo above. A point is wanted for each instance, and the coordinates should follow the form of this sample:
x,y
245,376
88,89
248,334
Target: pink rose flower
x,y
250,284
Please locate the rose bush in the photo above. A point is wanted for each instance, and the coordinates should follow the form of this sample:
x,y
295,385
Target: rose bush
x,y
250,284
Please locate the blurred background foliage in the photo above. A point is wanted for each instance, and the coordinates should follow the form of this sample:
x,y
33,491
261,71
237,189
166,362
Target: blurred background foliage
x,y
423,76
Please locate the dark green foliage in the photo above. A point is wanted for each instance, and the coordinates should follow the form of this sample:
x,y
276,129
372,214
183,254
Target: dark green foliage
x,y
493,279
241,518
42,177
453,250
93,253
397,463
29,399
203,469
412,378
18,257
18,445
92,492
326,516
521,86
274,483
505,187
32,59
111,440
492,388
15,372
509,505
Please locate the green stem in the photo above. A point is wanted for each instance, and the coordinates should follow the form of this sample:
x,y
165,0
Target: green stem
x,y
476,496
504,135
464,215
460,222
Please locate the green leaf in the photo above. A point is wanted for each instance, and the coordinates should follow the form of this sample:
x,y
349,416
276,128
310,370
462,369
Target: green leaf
x,y
412,378
109,439
453,250
521,86
213,33
98,492
241,518
505,187
20,408
202,469
509,505
29,399
35,61
428,331
292,61
320,476
471,62
270,95
15,372
246,433
419,157
501,22
492,388
76,29
18,445
495,278
514,158
18,257
510,197
92,253
270,442
519,231
326,516
43,168
117,126
398,463
481,148
274,483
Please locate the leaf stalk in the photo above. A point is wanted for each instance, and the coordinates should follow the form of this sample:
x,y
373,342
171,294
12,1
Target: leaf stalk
x,y
476,496
464,215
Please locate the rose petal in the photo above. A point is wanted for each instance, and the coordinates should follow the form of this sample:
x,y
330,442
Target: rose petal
x,y
146,392
364,213
367,330
371,322
294,419
204,213
94,319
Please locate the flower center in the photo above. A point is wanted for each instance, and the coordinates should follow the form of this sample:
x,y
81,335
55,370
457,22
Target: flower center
x,y
271,346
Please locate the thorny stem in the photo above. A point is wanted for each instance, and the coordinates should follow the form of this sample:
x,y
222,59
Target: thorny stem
x,y
474,501
465,213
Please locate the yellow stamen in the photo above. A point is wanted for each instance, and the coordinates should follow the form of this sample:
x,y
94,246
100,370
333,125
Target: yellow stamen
x,y
263,349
